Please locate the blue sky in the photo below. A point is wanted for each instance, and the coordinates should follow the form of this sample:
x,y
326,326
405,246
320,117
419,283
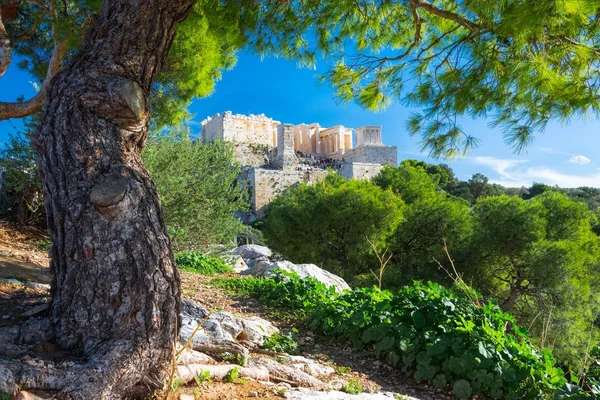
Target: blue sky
x,y
567,156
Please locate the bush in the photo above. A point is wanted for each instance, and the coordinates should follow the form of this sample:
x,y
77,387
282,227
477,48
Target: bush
x,y
281,343
201,263
285,290
443,336
197,185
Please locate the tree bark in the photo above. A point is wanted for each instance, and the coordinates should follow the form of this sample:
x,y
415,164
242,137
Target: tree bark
x,y
116,292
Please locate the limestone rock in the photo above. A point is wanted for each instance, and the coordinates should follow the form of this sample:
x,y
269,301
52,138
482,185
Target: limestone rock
x,y
252,251
221,325
311,394
309,366
257,329
230,324
303,270
7,381
239,265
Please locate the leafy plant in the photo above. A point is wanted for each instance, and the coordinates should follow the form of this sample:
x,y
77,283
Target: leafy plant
x,y
43,244
440,335
353,386
233,376
202,378
201,263
281,343
343,370
197,187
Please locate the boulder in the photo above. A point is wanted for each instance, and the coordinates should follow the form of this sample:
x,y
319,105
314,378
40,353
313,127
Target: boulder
x,y
257,329
221,325
252,251
239,265
303,270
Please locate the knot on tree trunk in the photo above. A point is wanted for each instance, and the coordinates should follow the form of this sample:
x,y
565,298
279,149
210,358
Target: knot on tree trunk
x,y
110,191
118,100
115,196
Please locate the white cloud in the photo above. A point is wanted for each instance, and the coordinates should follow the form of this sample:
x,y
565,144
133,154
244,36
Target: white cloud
x,y
512,173
579,159
499,165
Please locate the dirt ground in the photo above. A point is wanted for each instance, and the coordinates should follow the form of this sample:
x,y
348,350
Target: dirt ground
x,y
23,256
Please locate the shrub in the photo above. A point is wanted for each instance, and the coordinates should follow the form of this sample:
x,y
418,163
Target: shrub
x,y
441,336
197,184
281,343
285,290
353,386
201,263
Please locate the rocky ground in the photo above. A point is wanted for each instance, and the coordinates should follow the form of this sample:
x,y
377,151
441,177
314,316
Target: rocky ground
x,y
321,369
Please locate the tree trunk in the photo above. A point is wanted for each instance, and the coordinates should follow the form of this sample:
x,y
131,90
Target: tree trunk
x,y
116,292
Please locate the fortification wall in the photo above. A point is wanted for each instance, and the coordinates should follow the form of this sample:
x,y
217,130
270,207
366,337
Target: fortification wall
x,y
257,129
266,184
254,155
373,154
360,170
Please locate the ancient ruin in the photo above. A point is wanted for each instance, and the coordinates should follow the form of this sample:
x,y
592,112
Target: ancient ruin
x,y
276,156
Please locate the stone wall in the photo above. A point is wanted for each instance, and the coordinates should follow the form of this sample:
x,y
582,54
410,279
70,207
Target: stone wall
x,y
360,170
373,154
286,155
254,155
266,184
257,129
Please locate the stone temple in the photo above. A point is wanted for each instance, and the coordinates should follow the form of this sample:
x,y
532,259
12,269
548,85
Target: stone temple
x,y
276,156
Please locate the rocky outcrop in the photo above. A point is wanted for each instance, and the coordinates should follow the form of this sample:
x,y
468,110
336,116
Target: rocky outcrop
x,y
221,326
258,260
253,251
303,270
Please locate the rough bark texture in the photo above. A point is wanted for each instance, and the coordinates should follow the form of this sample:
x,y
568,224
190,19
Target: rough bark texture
x,y
116,291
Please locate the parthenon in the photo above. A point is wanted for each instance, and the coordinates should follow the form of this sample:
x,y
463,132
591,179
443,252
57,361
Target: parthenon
x,y
276,156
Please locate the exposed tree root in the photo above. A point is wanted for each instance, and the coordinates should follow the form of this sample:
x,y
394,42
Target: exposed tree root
x,y
280,371
187,373
218,346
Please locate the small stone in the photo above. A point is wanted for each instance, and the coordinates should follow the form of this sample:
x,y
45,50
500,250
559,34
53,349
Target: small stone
x,y
185,397
252,394
377,363
70,364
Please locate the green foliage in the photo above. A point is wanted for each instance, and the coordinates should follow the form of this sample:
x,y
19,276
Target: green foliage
x,y
202,378
43,244
246,286
408,182
353,386
285,290
539,258
440,335
233,376
418,242
197,184
201,263
331,223
449,59
281,343
21,186
205,45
